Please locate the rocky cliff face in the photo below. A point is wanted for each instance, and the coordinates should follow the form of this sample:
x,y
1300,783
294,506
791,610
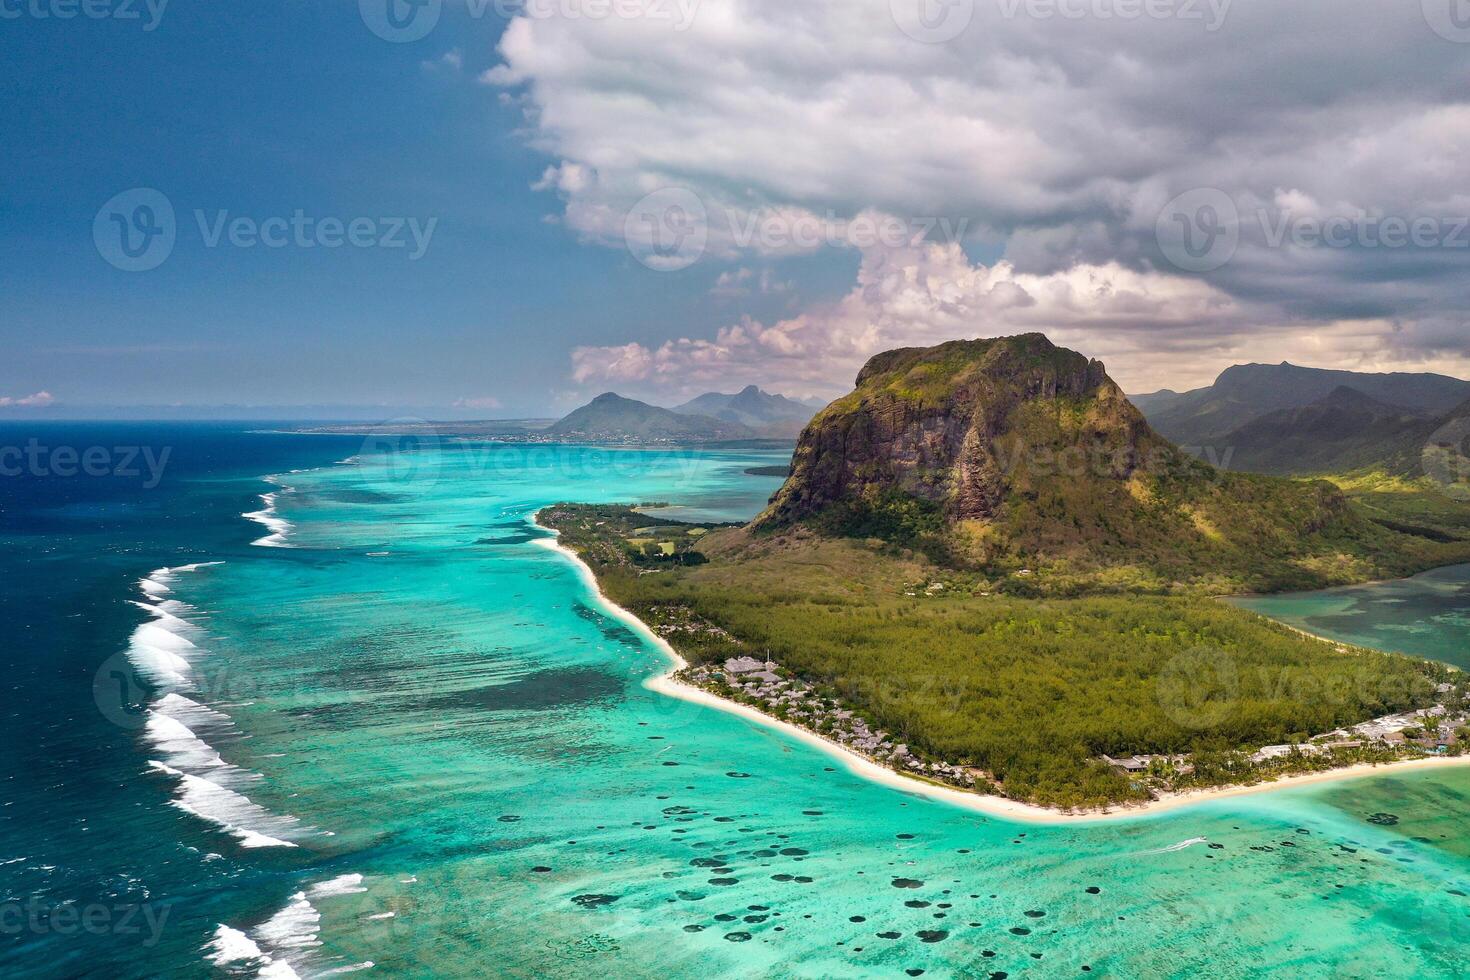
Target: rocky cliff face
x,y
964,425
1016,456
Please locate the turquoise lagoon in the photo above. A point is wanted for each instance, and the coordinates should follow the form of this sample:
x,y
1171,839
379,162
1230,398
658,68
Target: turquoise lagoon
x,y
436,758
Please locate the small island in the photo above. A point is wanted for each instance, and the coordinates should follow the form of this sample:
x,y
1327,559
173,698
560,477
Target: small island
x,y
987,573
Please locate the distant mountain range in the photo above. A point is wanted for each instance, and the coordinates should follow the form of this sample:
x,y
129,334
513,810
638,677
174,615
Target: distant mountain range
x,y
713,417
773,416
613,418
1291,420
1245,392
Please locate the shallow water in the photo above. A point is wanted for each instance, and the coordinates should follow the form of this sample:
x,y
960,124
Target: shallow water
x,y
403,686
1427,615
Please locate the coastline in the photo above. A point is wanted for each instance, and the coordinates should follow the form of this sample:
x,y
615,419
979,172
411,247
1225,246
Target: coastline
x,y
997,806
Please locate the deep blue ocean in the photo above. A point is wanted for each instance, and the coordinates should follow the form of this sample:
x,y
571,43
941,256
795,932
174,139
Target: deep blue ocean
x,y
78,828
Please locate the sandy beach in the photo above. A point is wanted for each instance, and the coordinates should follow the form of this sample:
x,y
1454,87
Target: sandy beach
x,y
998,806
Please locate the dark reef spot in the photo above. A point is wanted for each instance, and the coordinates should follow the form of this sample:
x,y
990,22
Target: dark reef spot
x,y
1094,890
724,881
1020,931
694,928
508,818
594,901
932,935
1383,819
541,869
738,937
689,896
889,935
793,851
738,775
907,883
541,691
916,903
1035,914
857,918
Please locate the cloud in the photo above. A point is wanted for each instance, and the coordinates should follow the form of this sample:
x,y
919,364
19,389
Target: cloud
x,y
1059,141
737,283
451,61
38,400
1154,330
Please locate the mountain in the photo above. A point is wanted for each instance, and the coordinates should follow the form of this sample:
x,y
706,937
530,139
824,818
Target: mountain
x,y
1343,432
613,418
1245,392
775,416
991,454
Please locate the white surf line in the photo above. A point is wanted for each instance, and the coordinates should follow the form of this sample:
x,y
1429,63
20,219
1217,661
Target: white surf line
x,y
164,652
998,806
269,518
281,946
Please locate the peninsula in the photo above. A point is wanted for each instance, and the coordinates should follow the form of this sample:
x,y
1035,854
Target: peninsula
x,y
987,572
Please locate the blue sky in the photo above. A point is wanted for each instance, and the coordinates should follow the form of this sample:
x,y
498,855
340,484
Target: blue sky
x,y
1045,172
259,110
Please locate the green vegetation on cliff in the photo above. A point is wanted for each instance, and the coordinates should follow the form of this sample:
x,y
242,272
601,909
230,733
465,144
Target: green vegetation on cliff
x,y
996,455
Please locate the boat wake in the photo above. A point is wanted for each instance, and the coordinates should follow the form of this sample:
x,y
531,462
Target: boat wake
x,y
1182,845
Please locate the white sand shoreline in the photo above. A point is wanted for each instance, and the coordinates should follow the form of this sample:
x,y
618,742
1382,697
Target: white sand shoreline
x,y
998,806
